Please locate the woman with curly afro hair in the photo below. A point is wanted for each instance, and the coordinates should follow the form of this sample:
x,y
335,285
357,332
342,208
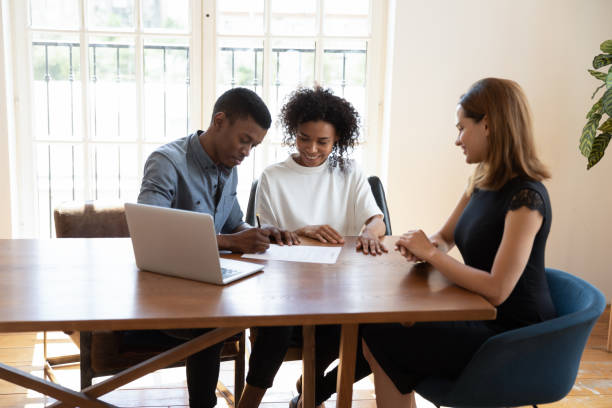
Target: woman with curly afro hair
x,y
319,193
323,128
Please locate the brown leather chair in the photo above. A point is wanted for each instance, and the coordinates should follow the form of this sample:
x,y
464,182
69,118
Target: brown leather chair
x,y
102,352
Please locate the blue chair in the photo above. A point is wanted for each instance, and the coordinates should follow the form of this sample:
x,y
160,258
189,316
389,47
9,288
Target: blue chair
x,y
532,365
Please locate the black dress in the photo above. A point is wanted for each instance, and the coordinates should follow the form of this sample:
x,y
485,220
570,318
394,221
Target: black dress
x,y
410,354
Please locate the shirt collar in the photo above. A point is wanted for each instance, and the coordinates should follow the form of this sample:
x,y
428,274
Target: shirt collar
x,y
202,157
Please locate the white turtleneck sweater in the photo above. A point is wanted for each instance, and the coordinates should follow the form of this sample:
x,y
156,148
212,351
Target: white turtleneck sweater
x,y
291,196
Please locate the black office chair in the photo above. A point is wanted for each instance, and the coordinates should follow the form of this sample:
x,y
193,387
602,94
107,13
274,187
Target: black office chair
x,y
250,214
379,195
377,190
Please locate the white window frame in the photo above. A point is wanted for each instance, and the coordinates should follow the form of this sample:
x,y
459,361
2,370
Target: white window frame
x,y
28,220
372,160
203,65
376,57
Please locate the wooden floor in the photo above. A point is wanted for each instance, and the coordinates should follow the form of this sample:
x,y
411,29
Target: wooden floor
x,y
166,388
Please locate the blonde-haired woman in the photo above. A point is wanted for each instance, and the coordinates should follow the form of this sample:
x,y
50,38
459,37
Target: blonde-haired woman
x,y
500,226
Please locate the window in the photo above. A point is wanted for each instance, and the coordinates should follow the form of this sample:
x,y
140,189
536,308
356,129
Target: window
x,y
110,80
274,46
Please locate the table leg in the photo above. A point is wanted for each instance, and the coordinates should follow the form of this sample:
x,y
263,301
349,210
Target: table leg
x,y
160,361
308,367
346,368
70,397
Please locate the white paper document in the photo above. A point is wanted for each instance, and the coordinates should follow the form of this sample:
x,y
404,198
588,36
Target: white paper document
x,y
299,253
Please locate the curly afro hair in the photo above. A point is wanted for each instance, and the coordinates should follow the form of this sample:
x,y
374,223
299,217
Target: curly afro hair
x,y
306,105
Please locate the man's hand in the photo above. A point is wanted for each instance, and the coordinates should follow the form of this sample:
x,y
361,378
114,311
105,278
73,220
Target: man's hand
x,y
323,233
248,241
282,237
370,244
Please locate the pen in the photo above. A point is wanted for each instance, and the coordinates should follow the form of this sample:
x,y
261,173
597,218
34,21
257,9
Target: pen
x,y
258,222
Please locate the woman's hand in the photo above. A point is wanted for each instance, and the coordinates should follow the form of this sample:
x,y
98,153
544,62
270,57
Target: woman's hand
x,y
415,246
370,244
322,233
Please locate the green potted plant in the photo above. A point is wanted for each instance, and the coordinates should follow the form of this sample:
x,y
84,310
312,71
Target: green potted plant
x,y
593,145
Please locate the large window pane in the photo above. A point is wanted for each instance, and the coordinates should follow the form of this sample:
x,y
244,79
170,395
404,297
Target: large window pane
x,y
110,14
293,17
346,25
166,86
240,17
291,62
344,71
293,66
137,93
63,14
171,15
56,87
346,17
344,66
59,179
115,171
240,63
113,88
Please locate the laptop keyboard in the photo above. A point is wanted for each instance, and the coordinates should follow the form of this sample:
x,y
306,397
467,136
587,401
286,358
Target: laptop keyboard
x,y
228,273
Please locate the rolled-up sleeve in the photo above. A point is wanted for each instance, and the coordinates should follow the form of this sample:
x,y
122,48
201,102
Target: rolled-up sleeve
x,y
159,181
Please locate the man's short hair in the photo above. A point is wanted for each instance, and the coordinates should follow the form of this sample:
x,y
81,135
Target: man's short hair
x,y
241,103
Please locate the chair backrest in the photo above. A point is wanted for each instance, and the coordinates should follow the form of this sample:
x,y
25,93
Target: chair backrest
x,y
574,298
535,364
250,214
90,219
379,195
377,190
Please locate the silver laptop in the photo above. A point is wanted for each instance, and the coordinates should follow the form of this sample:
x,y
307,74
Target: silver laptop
x,y
181,243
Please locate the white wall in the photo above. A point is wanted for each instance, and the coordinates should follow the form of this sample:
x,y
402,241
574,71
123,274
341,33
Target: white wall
x,y
441,48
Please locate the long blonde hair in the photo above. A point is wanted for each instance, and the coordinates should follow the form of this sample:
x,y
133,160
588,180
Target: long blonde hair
x,y
511,144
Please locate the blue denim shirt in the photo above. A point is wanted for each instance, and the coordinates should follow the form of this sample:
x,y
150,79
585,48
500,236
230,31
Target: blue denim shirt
x,y
182,175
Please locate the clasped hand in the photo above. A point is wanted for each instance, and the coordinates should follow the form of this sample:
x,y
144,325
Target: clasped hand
x,y
415,246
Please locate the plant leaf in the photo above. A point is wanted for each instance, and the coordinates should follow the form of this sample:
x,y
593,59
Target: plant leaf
x,y
602,60
607,126
606,46
594,109
597,90
599,147
607,101
597,74
588,135
609,79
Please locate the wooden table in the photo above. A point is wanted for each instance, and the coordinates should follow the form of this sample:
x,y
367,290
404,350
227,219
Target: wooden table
x,y
94,284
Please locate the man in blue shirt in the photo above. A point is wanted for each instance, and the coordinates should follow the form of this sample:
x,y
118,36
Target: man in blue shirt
x,y
198,173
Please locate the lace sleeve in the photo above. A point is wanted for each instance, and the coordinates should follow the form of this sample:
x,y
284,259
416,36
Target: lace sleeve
x,y
530,199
